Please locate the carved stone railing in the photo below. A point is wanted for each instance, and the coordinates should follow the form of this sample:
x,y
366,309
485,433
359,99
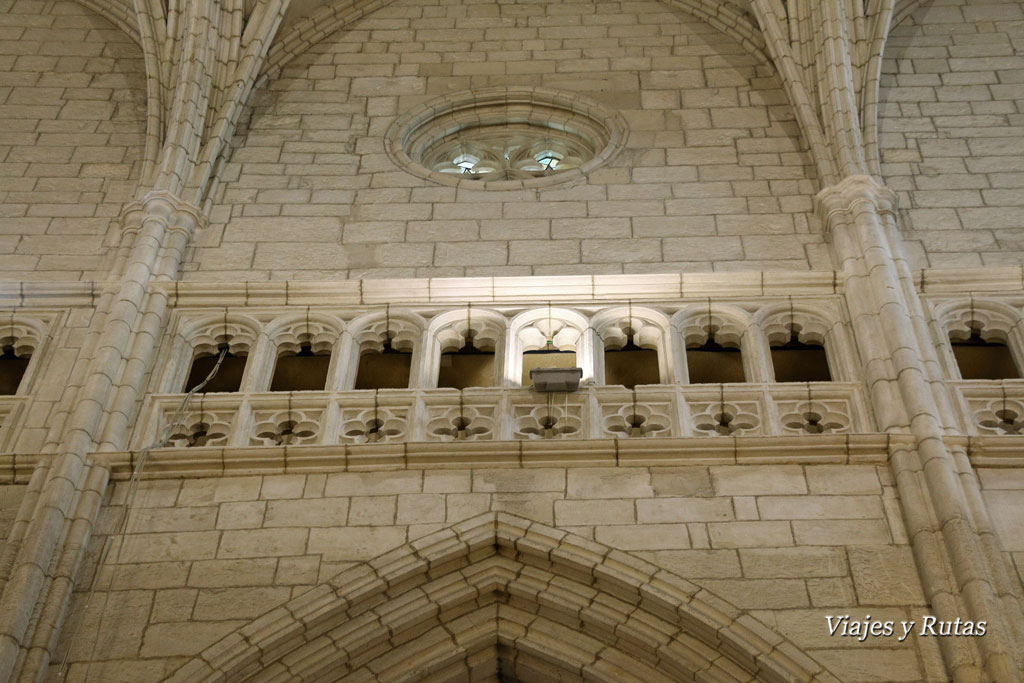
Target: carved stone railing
x,y
990,408
409,415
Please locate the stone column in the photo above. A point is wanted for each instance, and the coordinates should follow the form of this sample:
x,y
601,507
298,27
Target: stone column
x,y
39,581
206,58
951,559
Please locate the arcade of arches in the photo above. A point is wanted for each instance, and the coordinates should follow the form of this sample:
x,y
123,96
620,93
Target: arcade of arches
x,y
527,340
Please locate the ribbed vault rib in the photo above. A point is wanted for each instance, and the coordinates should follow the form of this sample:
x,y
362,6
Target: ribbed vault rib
x,y
202,60
829,56
119,14
333,17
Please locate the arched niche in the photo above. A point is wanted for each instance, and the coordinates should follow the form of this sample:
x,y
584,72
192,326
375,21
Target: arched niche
x,y
495,591
21,340
302,354
560,336
384,350
200,341
640,336
465,348
808,325
720,343
980,339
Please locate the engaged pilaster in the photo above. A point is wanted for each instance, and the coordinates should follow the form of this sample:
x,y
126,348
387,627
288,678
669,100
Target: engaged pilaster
x,y
858,213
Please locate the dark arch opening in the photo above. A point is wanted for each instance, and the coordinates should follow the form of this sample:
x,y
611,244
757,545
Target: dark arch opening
x,y
713,362
981,356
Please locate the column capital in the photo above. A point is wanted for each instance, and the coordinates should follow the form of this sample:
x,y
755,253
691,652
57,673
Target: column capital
x,y
847,194
174,212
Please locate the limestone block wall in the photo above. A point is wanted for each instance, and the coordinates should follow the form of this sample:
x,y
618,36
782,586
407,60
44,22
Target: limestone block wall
x,y
10,499
57,371
1003,491
953,131
714,175
790,543
72,103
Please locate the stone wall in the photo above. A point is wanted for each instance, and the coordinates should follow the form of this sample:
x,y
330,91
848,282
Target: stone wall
x,y
714,176
61,370
10,499
1003,491
790,543
953,132
72,103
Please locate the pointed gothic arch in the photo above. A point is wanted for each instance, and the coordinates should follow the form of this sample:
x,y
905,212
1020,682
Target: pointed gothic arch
x,y
335,16
501,591
120,14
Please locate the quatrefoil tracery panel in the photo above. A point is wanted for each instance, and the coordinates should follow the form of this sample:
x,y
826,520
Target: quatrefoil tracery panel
x,y
205,428
374,424
548,422
726,418
1001,416
289,427
637,420
815,416
461,423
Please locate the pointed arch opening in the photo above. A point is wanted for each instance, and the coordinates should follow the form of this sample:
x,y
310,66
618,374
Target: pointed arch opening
x,y
499,597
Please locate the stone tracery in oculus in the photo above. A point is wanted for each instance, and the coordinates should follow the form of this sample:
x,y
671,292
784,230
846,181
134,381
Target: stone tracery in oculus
x,y
507,152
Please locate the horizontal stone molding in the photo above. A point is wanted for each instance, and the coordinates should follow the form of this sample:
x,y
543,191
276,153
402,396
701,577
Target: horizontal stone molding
x,y
845,449
178,463
569,288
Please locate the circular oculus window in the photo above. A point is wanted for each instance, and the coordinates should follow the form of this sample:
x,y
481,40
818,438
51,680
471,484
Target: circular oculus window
x,y
505,138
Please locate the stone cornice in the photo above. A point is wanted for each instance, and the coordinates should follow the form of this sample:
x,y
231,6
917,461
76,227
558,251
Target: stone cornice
x,y
173,463
568,288
964,280
983,451
563,288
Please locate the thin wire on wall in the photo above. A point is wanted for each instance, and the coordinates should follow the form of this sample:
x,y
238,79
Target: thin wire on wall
x,y
122,523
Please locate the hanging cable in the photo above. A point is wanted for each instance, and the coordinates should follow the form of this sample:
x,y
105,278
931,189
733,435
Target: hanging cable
x,y
711,324
794,337
126,507
460,430
551,325
629,324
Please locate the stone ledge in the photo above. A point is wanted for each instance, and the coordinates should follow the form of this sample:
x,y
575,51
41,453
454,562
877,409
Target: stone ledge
x,y
505,289
568,288
174,463
962,280
843,449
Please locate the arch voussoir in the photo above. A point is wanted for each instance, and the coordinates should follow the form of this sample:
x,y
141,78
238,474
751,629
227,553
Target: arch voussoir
x,y
501,588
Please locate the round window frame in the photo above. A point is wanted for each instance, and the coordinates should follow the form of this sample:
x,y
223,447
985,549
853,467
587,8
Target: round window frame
x,y
566,112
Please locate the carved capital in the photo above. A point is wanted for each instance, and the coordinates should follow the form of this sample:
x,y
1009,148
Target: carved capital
x,y
852,194
173,212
